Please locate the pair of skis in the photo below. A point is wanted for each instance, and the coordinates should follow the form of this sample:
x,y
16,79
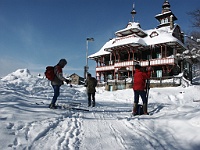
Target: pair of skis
x,y
70,106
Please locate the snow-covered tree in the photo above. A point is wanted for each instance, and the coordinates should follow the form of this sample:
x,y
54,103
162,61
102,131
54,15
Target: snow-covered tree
x,y
192,54
193,40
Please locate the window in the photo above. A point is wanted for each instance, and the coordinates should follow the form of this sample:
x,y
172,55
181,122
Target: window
x,y
158,55
110,76
159,73
148,57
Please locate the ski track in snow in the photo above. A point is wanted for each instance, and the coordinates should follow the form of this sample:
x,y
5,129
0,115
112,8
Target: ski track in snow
x,y
56,133
147,135
60,134
104,126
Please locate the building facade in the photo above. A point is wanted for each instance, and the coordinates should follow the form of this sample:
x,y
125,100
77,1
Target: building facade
x,y
76,79
132,45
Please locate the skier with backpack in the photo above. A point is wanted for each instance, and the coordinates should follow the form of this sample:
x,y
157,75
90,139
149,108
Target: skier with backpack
x,y
55,75
140,89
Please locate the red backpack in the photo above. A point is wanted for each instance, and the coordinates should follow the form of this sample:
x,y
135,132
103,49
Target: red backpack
x,y
49,73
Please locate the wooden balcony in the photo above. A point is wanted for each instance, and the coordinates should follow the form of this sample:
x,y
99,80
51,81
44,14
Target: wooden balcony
x,y
153,62
156,62
105,68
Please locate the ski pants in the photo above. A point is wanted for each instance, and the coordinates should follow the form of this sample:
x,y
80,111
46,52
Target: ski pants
x,y
56,89
138,93
89,98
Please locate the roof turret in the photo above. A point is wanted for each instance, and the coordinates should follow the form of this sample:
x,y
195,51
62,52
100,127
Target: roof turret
x,y
165,6
166,18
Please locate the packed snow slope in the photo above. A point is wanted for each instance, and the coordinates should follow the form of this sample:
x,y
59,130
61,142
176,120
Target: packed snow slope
x,y
25,125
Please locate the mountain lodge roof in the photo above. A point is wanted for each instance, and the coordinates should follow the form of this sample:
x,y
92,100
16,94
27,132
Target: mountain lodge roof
x,y
132,28
153,37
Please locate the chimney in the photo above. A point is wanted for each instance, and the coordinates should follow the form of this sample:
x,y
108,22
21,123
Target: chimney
x,y
171,22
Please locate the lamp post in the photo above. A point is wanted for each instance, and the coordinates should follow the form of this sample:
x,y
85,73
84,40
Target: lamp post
x,y
86,66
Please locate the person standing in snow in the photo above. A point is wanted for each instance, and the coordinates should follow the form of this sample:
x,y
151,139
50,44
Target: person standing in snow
x,y
58,81
139,87
91,83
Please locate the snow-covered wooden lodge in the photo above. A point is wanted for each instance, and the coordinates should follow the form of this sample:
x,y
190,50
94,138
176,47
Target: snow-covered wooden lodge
x,y
132,45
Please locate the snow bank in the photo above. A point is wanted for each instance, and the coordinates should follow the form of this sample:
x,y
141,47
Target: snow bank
x,y
174,122
18,74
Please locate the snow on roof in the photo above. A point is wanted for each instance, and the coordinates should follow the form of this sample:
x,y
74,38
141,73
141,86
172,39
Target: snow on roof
x,y
158,36
132,40
155,36
129,26
168,12
101,51
132,27
161,35
165,13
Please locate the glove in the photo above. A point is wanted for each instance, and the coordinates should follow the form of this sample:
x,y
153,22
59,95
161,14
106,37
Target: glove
x,y
67,81
149,68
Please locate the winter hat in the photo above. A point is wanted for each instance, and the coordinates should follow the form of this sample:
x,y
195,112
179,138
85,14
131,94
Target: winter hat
x,y
62,62
137,66
89,75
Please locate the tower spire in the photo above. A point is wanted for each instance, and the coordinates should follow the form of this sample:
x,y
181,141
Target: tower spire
x,y
133,12
166,6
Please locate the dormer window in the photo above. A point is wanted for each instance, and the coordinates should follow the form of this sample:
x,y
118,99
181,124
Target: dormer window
x,y
165,20
153,34
162,21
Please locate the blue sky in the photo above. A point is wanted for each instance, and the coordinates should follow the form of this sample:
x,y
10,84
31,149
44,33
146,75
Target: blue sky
x,y
37,33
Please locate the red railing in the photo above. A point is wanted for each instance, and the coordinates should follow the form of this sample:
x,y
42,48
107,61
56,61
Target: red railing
x,y
153,62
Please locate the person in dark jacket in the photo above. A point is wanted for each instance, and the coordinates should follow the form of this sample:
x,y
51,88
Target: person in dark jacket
x,y
91,83
139,87
58,81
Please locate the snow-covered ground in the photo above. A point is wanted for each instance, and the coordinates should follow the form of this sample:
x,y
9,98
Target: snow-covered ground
x,y
173,125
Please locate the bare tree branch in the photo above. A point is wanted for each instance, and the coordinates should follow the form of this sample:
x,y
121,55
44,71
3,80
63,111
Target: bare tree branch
x,y
196,17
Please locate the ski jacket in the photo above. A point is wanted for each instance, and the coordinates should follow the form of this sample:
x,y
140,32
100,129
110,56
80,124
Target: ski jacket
x,y
58,80
140,79
91,83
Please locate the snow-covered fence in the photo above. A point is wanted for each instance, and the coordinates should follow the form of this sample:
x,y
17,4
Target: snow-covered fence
x,y
165,81
112,85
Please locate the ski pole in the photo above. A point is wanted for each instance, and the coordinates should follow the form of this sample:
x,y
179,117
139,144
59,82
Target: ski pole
x,y
147,86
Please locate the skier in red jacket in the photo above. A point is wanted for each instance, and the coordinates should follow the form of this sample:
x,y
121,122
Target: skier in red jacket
x,y
139,87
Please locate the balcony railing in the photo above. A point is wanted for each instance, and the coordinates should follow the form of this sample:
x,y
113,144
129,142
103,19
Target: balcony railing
x,y
104,68
153,62
125,63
